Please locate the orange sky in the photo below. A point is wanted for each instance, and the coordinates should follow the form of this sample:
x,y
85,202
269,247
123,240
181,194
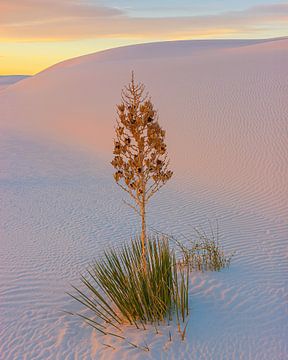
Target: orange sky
x,y
35,34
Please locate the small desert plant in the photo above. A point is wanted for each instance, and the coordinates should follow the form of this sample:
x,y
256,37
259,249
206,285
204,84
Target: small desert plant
x,y
201,251
119,291
140,160
204,255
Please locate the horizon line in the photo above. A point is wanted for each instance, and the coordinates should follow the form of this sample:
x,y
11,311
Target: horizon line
x,y
147,43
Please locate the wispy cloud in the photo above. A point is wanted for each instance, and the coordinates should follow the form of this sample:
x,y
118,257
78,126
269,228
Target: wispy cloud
x,y
21,11
55,20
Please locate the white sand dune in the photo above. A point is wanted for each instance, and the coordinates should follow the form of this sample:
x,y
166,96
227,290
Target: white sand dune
x,y
224,105
6,80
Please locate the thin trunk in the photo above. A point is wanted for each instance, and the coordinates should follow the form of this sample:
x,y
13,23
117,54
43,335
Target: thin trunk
x,y
143,209
143,234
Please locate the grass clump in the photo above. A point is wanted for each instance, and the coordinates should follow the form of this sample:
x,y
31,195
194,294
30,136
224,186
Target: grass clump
x,y
203,251
118,290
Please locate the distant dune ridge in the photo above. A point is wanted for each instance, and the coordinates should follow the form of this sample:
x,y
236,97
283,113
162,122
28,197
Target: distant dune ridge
x,y
6,80
224,105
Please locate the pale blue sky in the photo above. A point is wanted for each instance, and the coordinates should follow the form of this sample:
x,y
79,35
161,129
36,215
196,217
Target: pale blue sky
x,y
171,8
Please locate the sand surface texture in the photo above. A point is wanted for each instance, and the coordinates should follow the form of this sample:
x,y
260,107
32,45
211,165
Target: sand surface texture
x,y
224,105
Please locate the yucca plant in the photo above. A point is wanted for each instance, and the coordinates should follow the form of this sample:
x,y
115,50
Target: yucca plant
x,y
117,290
140,152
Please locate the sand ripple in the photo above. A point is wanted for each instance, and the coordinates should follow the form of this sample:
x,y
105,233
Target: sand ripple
x,y
226,118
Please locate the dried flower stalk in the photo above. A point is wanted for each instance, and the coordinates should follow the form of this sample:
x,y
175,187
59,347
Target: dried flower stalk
x,y
140,159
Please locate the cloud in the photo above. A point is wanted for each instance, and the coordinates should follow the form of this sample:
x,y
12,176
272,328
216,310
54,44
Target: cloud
x,y
19,12
56,20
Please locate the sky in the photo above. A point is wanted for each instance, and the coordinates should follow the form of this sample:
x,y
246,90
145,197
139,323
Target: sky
x,y
35,34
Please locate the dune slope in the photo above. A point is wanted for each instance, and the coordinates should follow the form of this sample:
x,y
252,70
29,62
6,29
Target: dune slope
x,y
224,106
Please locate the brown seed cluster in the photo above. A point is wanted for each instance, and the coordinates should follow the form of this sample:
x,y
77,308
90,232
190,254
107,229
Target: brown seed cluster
x,y
140,159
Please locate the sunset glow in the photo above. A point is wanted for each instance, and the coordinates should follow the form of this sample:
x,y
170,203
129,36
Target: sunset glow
x,y
35,35
143,179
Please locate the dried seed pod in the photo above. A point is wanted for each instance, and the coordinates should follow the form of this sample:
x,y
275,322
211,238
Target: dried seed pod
x,y
120,130
121,107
